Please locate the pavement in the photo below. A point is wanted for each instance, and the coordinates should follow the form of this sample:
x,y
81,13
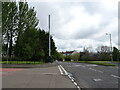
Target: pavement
x,y
47,77
94,76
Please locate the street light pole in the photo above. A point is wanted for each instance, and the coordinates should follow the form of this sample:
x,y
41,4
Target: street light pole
x,y
49,39
111,42
110,46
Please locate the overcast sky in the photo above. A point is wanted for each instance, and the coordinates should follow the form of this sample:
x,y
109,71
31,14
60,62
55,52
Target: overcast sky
x,y
75,25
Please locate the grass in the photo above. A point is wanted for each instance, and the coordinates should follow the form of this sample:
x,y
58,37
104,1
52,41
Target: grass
x,y
20,62
103,63
117,61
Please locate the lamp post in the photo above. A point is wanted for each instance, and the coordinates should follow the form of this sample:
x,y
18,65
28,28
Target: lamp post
x,y
110,45
49,39
50,59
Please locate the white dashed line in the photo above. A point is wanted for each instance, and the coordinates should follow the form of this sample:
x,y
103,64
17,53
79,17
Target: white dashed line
x,y
115,76
78,87
68,66
69,76
96,80
75,83
96,70
92,65
78,66
72,80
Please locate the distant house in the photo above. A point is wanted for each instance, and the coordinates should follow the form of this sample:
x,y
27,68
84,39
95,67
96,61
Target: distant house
x,y
82,54
68,53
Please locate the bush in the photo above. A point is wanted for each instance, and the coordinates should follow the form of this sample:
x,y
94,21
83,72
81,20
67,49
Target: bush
x,y
11,59
85,58
68,58
75,56
95,57
60,59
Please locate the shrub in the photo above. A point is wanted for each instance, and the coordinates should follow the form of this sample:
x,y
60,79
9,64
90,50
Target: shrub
x,y
68,58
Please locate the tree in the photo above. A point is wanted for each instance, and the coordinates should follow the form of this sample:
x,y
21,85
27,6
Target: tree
x,y
60,57
103,53
68,58
115,54
103,49
9,22
21,24
75,56
27,22
0,28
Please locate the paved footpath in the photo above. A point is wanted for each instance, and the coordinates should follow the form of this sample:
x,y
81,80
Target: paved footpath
x,y
49,77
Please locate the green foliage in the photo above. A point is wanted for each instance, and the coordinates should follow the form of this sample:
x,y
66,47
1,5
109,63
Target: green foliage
x,y
60,57
116,54
85,58
103,63
0,28
103,54
31,43
9,24
75,56
20,62
68,58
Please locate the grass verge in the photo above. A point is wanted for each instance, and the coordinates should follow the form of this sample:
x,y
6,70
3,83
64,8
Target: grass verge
x,y
20,62
103,63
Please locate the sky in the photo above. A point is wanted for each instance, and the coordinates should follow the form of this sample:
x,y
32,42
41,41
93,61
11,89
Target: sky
x,y
78,24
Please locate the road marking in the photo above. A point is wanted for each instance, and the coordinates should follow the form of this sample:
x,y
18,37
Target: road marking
x,y
115,76
92,65
96,80
78,66
78,88
68,66
60,70
64,70
96,70
70,76
75,83
72,80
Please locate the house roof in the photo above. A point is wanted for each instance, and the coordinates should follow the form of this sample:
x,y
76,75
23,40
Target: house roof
x,y
67,52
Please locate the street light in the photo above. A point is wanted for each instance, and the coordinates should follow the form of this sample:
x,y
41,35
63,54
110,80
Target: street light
x,y
50,59
110,45
49,39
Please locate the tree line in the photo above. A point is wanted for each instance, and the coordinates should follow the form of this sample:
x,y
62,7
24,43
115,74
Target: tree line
x,y
103,53
22,38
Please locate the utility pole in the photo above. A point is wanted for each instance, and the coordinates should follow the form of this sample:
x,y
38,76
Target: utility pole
x,y
49,39
110,46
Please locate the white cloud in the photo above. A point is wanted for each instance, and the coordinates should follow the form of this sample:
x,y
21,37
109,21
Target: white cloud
x,y
79,24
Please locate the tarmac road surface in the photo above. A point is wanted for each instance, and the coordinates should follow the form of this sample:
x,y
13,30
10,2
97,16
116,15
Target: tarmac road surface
x,y
93,76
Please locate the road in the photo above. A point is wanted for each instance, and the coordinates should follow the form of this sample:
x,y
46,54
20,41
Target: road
x,y
92,76
78,76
